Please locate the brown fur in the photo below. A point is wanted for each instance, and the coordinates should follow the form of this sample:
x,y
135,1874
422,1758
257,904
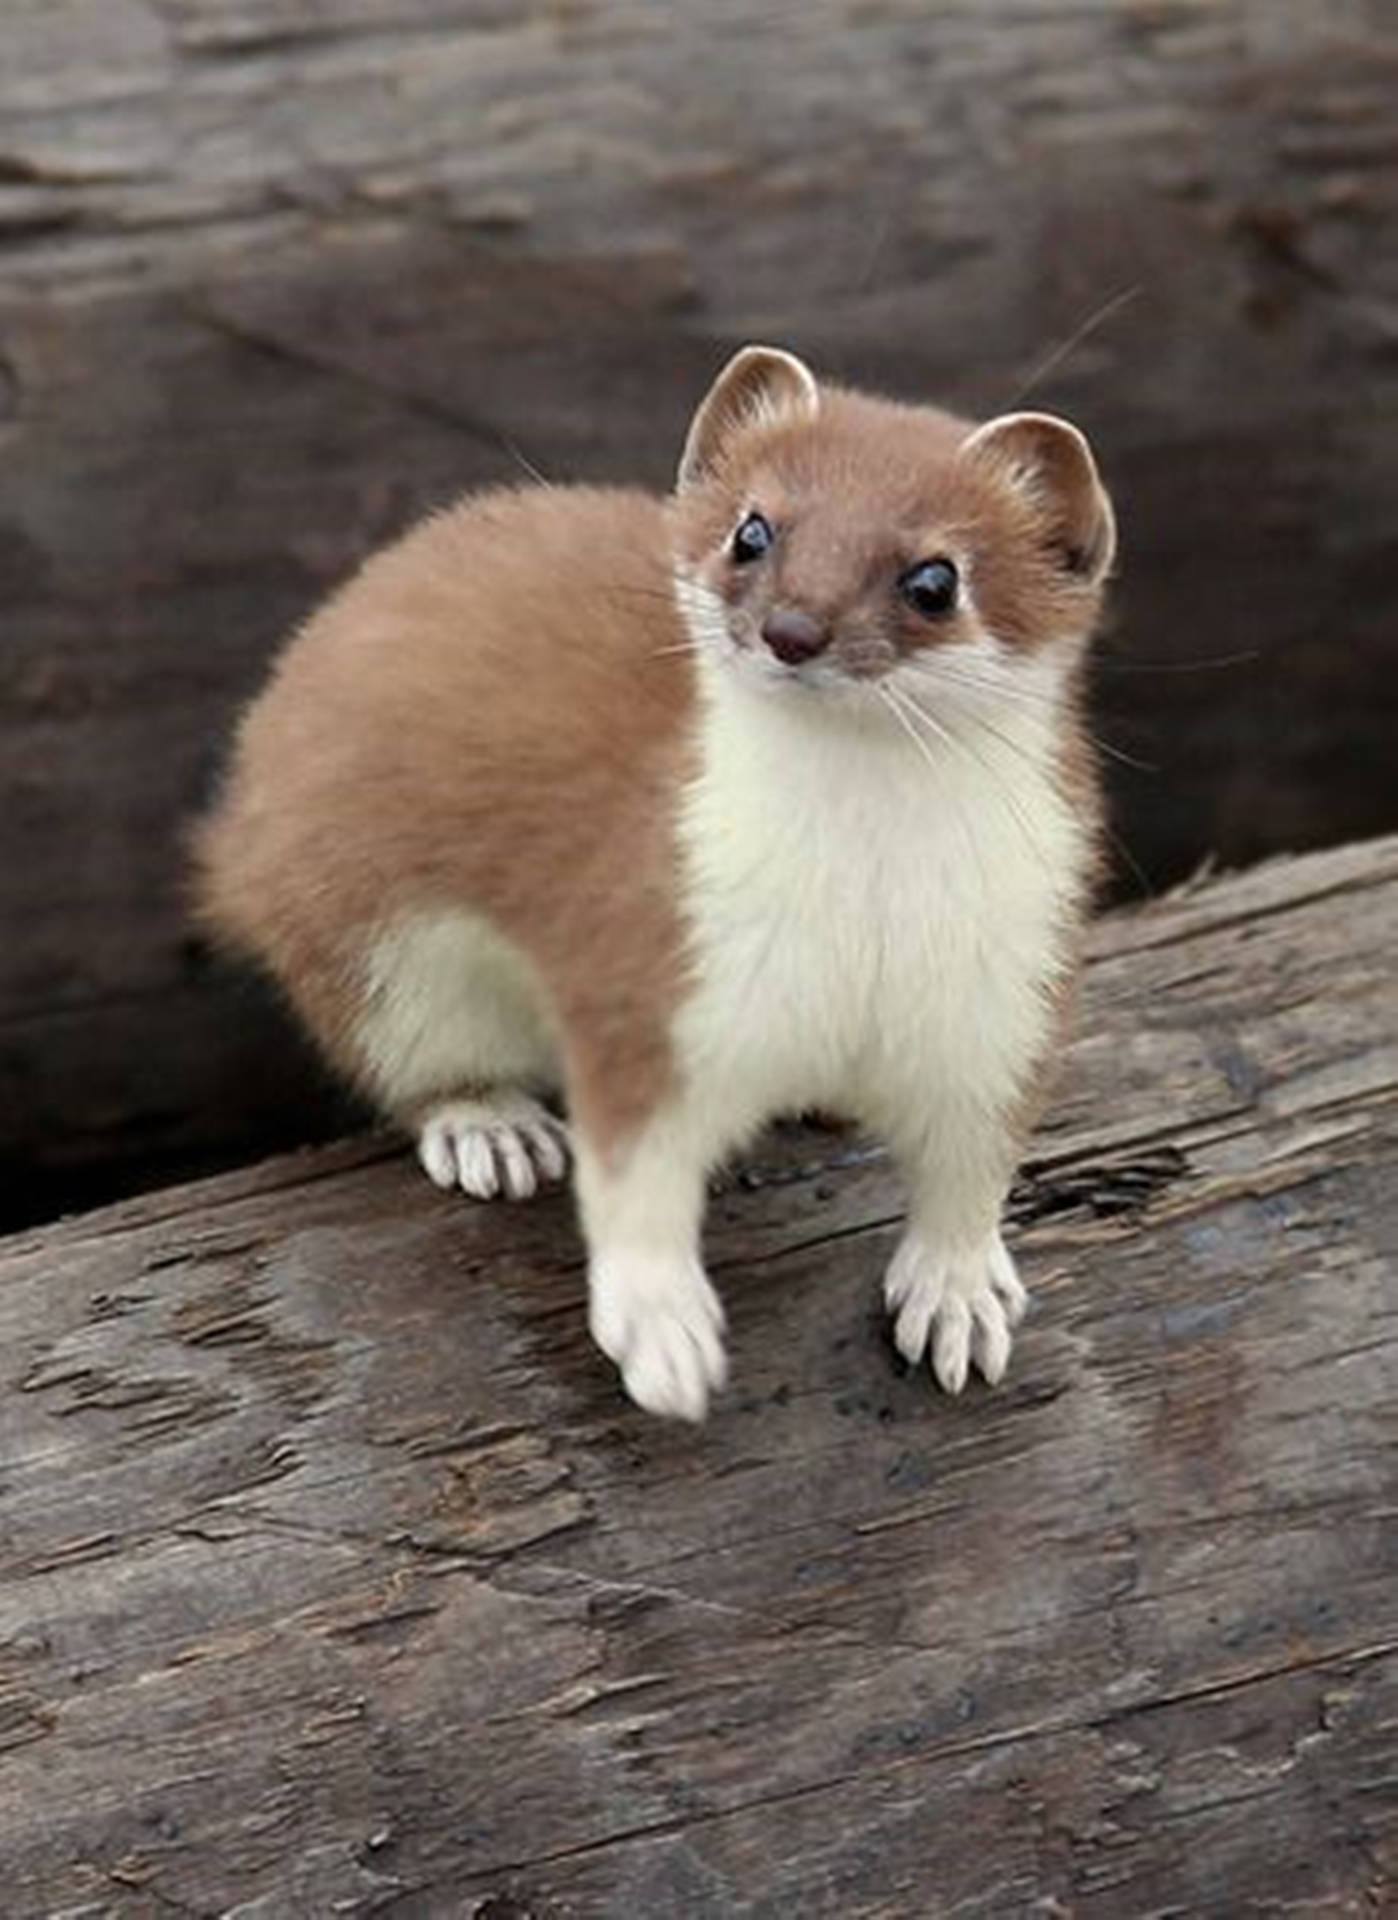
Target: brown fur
x,y
495,714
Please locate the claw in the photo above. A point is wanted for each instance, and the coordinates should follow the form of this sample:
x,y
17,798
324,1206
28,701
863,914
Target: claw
x,y
960,1308
662,1324
507,1144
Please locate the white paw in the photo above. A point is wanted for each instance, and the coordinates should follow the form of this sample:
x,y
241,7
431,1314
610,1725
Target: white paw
x,y
505,1145
965,1303
662,1323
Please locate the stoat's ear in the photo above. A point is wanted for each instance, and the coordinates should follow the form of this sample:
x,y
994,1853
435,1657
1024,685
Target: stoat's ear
x,y
758,383
1050,463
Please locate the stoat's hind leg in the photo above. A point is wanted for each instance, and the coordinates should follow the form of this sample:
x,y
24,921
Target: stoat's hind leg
x,y
504,1144
451,1032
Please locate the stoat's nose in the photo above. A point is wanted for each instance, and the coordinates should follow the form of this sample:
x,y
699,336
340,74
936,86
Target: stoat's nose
x,y
794,636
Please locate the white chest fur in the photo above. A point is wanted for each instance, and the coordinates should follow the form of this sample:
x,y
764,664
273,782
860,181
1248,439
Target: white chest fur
x,y
877,910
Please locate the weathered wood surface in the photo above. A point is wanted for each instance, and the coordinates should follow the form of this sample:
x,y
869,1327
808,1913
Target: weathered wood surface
x,y
336,1577
279,273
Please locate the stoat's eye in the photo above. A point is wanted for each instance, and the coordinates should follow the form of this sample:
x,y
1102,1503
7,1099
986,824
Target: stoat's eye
x,y
753,537
930,587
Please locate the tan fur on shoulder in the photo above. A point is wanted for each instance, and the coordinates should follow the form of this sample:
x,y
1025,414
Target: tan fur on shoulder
x,y
496,712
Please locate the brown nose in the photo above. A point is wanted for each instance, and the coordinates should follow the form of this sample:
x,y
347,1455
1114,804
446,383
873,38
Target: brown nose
x,y
794,636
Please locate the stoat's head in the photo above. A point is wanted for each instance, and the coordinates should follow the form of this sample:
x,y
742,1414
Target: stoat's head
x,y
828,540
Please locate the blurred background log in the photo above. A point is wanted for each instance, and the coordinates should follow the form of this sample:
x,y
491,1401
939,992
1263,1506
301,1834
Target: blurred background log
x,y
278,274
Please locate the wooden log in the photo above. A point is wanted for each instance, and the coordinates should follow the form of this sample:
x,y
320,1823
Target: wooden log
x,y
280,274
336,1576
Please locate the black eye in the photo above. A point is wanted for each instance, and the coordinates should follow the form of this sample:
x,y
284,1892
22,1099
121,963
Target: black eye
x,y
930,587
752,539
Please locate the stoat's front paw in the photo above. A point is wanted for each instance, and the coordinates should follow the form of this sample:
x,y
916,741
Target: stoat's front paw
x,y
662,1323
966,1304
504,1144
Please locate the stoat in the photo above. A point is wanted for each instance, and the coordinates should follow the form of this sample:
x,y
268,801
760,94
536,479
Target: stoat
x,y
770,795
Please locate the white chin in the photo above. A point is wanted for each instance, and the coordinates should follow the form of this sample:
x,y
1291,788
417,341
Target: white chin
x,y
761,669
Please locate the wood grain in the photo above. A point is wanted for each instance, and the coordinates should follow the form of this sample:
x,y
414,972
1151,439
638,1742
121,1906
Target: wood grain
x,y
279,274
336,1576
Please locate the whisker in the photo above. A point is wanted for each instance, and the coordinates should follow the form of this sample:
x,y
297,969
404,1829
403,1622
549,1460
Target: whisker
x,y
995,733
1104,664
944,666
894,702
1097,318
1118,844
902,702
1006,794
522,460
1121,756
653,596
1138,872
890,701
944,675
1028,697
